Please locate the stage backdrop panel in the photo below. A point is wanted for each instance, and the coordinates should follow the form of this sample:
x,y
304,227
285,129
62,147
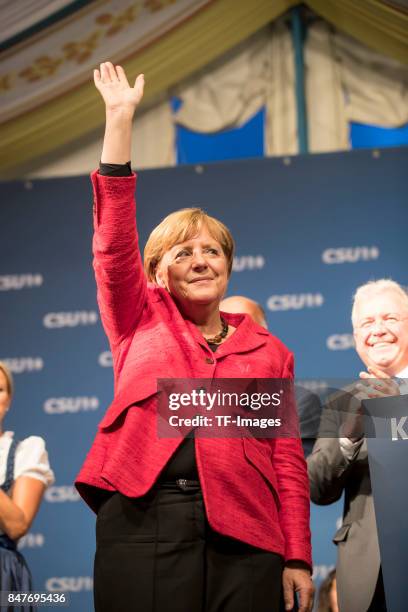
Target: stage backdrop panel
x,y
309,230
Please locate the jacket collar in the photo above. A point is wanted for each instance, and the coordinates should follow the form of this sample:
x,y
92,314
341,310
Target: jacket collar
x,y
247,336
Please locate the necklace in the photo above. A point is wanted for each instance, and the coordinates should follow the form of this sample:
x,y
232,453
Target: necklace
x,y
219,337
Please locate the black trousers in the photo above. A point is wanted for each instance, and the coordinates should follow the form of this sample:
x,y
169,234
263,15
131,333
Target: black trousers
x,y
158,553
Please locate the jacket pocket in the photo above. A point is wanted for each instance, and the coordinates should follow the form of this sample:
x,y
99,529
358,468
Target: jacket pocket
x,y
341,534
258,456
132,394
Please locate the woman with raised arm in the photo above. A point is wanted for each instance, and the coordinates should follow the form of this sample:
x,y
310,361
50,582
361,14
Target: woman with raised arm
x,y
24,473
194,524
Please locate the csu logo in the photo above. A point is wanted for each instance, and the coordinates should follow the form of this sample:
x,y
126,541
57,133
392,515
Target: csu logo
x,y
248,262
20,281
24,364
69,583
31,540
350,254
54,320
295,301
105,359
340,342
61,494
59,405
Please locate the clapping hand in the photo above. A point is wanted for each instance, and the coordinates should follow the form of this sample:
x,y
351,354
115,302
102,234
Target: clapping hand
x,y
377,384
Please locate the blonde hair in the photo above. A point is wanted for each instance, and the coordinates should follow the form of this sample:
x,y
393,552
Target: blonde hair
x,y
178,227
375,287
9,378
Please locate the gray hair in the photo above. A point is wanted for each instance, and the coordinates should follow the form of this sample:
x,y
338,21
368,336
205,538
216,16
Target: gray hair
x,y
375,287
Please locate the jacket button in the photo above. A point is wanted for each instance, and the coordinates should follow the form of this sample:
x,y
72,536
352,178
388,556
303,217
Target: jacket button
x,y
209,360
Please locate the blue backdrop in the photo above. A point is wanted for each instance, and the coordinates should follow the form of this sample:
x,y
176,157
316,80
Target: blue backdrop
x,y
308,229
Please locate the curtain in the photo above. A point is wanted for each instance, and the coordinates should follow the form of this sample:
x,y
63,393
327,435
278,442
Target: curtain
x,y
152,147
259,73
372,22
346,81
218,26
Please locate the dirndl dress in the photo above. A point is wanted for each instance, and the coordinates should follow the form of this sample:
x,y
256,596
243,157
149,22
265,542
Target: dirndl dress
x,y
14,572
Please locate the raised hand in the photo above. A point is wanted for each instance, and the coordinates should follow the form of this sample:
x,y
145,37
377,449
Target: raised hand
x,y
121,101
118,95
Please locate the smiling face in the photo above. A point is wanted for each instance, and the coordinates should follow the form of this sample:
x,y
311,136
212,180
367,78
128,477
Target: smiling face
x,y
195,271
381,332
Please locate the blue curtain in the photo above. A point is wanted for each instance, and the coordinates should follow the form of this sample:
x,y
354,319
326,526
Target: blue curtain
x,y
363,136
245,141
248,140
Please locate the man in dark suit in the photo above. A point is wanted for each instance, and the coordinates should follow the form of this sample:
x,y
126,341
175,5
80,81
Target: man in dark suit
x,y
339,459
308,404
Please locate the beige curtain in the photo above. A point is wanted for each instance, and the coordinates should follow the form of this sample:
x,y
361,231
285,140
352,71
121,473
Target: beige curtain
x,y
328,128
280,124
186,46
259,73
374,23
346,81
152,147
376,86
153,142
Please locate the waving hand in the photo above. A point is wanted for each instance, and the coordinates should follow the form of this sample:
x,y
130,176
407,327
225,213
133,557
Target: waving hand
x,y
121,101
112,83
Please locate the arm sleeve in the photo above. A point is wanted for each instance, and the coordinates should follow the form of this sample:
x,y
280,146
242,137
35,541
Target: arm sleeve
x,y
291,473
332,456
115,169
120,278
32,460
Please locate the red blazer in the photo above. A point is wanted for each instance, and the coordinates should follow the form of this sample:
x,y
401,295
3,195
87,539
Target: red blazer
x,y
254,490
